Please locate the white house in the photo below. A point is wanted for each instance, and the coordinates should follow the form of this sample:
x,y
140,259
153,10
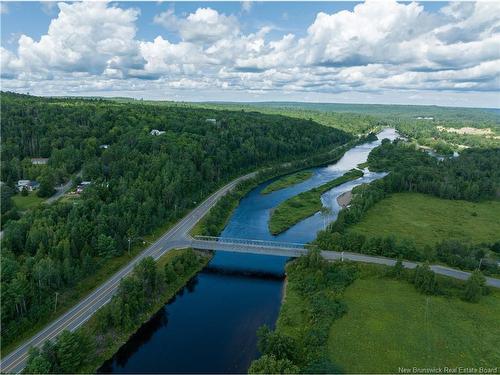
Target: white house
x,y
27,185
211,120
156,132
104,146
39,161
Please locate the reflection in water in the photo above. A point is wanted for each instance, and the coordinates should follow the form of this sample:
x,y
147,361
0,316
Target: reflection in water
x,y
213,328
188,336
264,275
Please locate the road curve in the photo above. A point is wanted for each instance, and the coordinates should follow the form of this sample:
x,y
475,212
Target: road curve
x,y
176,237
60,191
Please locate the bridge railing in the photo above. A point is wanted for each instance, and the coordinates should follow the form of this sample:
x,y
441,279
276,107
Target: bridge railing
x,y
257,243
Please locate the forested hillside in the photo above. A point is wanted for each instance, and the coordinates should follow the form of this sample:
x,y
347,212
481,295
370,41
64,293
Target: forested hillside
x,y
428,125
139,182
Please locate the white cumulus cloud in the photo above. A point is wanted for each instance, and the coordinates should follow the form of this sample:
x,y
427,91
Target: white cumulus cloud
x,y
378,46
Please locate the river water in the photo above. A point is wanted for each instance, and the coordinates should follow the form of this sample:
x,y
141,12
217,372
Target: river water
x,y
210,326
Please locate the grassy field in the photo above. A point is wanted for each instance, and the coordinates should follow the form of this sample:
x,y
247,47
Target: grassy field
x,y
286,181
27,202
305,204
390,325
427,220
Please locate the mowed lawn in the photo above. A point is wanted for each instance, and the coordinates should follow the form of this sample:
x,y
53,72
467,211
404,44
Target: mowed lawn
x,y
427,220
390,325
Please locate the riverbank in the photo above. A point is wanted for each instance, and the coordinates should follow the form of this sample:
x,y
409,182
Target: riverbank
x,y
108,343
325,317
344,199
309,307
303,205
286,181
215,221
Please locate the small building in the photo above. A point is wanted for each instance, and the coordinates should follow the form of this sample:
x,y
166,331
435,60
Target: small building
x,y
82,186
39,161
104,146
211,120
156,132
28,185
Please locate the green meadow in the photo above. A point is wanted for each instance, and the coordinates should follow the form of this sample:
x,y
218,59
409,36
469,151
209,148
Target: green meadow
x,y
390,325
27,202
427,220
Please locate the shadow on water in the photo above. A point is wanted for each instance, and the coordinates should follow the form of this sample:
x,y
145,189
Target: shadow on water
x,y
145,335
241,273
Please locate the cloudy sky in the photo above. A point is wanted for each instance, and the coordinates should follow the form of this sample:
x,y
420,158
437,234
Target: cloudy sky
x,y
373,52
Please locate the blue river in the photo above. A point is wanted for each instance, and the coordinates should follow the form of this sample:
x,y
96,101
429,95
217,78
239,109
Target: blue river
x,y
210,326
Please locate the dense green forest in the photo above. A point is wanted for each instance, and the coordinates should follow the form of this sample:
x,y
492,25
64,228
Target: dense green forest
x,y
473,176
139,295
138,183
421,123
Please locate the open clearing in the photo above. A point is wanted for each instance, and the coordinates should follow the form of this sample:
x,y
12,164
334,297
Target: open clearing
x,y
427,220
27,202
390,325
468,131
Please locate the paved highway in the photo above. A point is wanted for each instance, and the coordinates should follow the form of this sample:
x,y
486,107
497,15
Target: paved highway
x,y
176,237
295,250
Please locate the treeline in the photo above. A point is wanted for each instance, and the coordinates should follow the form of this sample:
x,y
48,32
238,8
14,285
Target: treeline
x,y
455,253
138,296
319,285
354,123
426,282
215,221
139,182
314,300
426,132
472,176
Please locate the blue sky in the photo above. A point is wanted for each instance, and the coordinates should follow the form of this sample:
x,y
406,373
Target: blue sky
x,y
375,52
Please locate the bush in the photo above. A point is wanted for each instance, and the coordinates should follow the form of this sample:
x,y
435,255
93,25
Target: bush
x,y
276,344
425,280
269,364
474,287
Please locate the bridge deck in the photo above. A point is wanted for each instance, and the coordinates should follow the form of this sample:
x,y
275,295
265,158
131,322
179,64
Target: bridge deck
x,y
294,250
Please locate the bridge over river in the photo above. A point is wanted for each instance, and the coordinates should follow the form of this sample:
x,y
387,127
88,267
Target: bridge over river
x,y
294,250
178,237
